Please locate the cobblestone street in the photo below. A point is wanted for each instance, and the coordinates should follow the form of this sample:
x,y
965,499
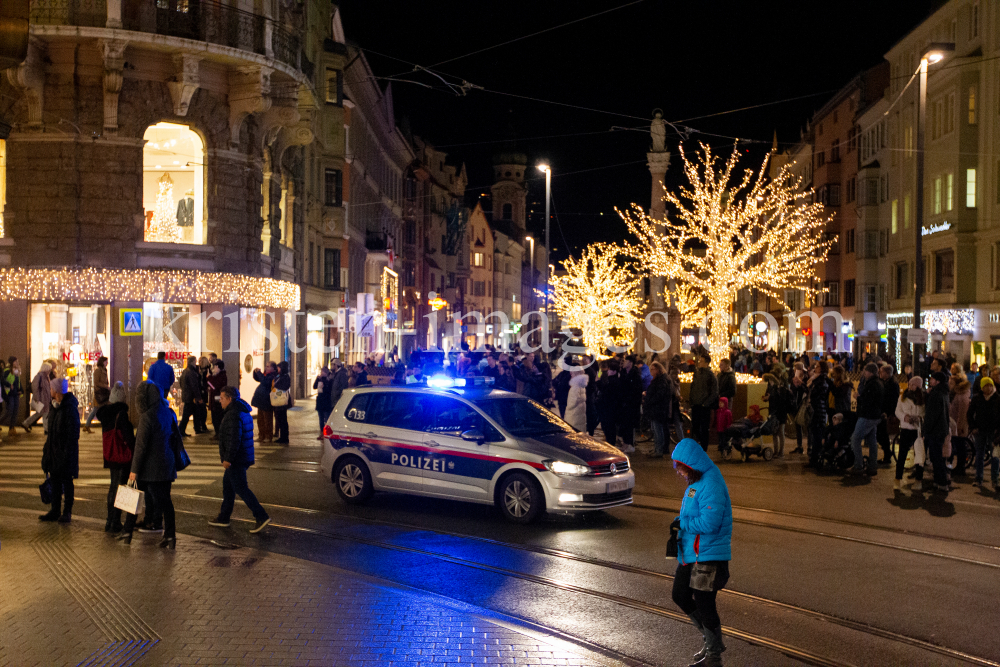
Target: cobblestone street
x,y
72,595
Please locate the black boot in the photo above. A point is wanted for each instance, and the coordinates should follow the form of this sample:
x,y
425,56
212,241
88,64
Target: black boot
x,y
713,649
51,515
701,628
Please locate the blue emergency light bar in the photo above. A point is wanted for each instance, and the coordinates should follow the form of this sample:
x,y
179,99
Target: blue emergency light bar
x,y
445,382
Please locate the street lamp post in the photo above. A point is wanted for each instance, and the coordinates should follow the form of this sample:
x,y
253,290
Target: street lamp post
x,y
548,202
934,53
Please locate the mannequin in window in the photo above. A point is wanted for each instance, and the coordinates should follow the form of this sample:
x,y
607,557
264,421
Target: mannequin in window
x,y
185,216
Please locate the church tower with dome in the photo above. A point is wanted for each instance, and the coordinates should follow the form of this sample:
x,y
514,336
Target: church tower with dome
x,y
509,193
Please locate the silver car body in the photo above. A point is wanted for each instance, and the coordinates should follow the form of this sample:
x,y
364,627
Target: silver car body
x,y
437,461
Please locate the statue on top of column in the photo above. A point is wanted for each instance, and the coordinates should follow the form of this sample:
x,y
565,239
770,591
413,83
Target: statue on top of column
x,y
658,131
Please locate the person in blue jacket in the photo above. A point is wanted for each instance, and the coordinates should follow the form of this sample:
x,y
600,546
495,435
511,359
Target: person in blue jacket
x,y
703,553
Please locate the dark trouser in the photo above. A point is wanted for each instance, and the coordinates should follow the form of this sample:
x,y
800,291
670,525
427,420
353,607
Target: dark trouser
x,y
200,418
701,417
592,419
882,437
907,436
324,416
281,424
817,430
626,429
217,413
699,604
119,476
188,413
153,516
959,446
984,450
798,437
935,452
234,483
265,425
62,486
610,428
660,437
678,422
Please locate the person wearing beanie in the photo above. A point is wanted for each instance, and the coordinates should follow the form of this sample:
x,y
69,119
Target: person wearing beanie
x,y
910,412
118,445
705,531
936,427
984,422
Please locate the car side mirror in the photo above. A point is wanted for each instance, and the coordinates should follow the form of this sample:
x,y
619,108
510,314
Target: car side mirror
x,y
474,435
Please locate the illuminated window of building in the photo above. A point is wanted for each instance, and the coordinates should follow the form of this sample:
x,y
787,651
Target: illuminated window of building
x,y
937,195
950,192
3,181
970,188
173,185
477,259
895,216
972,105
906,212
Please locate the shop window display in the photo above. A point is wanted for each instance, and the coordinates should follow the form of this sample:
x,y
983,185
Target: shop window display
x,y
71,338
174,329
173,185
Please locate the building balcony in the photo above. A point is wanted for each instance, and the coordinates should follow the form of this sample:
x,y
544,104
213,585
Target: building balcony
x,y
199,20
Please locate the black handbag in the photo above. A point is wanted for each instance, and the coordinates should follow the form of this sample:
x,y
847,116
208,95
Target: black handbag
x,y
45,490
181,458
675,527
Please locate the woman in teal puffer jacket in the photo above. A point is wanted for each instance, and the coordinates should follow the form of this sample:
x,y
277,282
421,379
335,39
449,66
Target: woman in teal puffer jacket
x,y
705,532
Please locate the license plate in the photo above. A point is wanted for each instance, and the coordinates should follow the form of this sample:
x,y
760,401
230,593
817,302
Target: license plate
x,y
615,487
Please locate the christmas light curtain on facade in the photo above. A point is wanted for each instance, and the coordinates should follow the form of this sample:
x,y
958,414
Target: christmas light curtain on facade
x,y
722,234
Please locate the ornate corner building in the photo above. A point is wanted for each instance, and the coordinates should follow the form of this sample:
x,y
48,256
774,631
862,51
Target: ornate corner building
x,y
181,158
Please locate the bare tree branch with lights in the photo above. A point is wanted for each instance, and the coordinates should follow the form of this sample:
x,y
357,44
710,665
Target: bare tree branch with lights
x,y
691,305
756,233
598,294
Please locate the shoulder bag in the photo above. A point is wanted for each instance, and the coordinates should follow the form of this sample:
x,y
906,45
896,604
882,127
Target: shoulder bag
x,y
279,397
116,449
181,458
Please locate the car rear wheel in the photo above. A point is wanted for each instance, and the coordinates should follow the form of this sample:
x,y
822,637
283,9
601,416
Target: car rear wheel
x,y
353,480
520,498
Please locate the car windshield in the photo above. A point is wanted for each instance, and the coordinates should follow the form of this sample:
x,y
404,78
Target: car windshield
x,y
522,417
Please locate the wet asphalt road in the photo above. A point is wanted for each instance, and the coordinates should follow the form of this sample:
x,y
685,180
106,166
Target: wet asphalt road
x,y
878,564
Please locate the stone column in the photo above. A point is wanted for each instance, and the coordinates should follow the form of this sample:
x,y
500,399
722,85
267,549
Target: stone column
x,y
659,162
127,355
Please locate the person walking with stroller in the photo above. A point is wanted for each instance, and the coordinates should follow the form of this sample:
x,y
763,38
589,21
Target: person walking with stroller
x,y
910,412
705,530
236,454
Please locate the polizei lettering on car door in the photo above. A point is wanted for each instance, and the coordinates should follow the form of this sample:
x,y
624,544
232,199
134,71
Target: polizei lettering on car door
x,y
421,462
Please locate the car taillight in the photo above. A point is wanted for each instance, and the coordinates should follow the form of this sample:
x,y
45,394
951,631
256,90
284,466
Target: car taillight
x,y
327,432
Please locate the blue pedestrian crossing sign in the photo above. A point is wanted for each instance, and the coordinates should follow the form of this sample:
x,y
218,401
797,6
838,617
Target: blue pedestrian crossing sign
x,y
131,322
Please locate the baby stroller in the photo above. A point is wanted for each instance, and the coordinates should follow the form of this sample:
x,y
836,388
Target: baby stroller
x,y
747,438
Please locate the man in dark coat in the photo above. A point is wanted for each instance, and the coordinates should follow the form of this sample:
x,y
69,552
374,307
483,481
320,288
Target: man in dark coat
x,y
561,384
609,398
153,458
282,382
323,384
631,405
727,382
340,383
61,454
236,454
936,426
890,397
869,417
704,395
656,407
191,395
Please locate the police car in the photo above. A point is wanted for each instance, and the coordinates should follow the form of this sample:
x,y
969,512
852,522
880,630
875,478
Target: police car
x,y
464,441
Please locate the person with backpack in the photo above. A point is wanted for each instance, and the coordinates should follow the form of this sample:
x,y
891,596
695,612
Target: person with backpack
x,y
118,440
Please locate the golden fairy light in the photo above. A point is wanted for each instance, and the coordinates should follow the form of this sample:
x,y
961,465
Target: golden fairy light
x,y
691,303
90,284
756,233
598,296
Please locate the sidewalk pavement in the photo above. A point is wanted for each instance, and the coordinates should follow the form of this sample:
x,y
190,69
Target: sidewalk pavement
x,y
72,595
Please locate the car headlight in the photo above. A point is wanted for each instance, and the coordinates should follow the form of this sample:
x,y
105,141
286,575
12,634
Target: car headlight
x,y
563,468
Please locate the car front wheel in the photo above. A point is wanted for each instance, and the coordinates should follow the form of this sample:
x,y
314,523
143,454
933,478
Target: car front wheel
x,y
520,498
353,480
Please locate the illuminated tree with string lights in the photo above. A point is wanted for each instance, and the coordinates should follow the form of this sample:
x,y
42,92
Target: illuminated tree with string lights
x,y
691,305
598,294
756,233
163,227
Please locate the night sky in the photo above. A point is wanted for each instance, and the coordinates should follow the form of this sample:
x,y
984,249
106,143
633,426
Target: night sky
x,y
692,59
